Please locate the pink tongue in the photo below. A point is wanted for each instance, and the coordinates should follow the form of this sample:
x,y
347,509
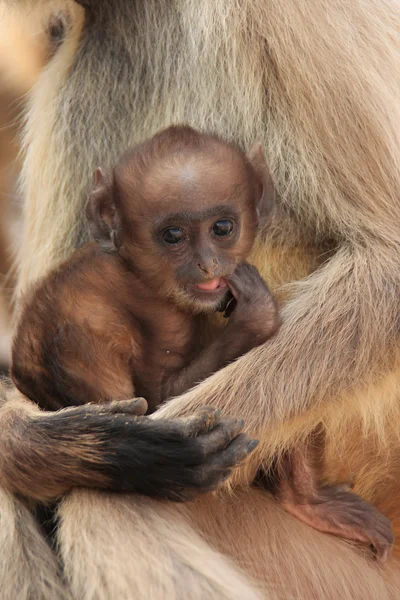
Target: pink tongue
x,y
213,284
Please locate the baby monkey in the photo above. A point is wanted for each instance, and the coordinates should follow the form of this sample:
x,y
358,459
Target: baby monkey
x,y
129,314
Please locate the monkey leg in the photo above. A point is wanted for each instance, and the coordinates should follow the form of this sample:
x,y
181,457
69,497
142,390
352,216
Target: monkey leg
x,y
333,509
28,567
132,548
328,508
128,547
290,559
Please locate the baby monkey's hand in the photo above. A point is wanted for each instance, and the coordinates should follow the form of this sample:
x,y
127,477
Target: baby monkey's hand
x,y
252,310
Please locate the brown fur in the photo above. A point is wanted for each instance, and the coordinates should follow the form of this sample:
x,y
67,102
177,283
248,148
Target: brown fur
x,y
317,83
128,315
37,460
125,316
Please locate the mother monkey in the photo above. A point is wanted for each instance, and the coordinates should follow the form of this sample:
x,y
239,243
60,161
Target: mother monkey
x,y
318,83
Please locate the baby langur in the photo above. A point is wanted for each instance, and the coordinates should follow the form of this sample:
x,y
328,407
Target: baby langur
x,y
128,315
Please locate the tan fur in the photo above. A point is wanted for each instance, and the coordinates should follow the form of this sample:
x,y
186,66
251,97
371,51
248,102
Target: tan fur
x,y
28,568
173,547
21,54
317,83
32,570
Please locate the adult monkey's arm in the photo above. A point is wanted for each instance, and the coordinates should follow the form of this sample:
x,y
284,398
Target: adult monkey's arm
x,y
43,455
335,160
340,325
340,328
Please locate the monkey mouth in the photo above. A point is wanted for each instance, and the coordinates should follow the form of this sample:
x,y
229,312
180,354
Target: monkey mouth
x,y
213,285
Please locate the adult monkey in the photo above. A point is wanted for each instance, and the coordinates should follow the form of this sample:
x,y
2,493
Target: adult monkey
x,y
317,82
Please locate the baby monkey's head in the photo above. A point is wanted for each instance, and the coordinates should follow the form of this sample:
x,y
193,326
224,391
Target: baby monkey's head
x,y
182,209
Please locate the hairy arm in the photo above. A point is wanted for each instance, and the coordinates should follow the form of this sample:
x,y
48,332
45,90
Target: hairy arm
x,y
253,320
339,329
45,454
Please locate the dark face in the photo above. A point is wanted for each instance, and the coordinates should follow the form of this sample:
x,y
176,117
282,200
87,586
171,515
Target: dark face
x,y
191,229
201,249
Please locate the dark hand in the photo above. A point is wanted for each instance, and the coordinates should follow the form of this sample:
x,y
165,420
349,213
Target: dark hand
x,y
197,453
253,308
115,449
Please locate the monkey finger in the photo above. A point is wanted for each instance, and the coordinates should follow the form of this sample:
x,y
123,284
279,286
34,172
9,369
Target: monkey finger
x,y
213,480
134,406
230,308
234,287
240,283
202,484
244,280
380,551
202,421
235,453
221,465
219,438
225,302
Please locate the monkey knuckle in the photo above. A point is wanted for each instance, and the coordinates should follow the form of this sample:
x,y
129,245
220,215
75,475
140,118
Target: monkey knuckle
x,y
180,436
242,309
229,429
208,417
198,477
179,427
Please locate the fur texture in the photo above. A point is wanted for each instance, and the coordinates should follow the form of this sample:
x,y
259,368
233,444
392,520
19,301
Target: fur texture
x,y
317,83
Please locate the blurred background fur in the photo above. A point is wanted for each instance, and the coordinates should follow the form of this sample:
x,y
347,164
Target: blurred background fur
x,y
22,55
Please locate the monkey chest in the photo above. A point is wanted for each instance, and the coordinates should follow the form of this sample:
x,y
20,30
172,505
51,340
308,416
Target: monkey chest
x,y
164,356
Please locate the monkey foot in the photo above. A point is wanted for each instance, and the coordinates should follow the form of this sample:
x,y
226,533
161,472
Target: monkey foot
x,y
336,511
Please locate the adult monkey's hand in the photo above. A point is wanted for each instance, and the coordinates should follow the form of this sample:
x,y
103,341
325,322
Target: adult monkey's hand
x,y
111,446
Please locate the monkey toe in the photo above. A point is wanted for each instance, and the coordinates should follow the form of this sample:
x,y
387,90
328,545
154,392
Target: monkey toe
x,y
348,516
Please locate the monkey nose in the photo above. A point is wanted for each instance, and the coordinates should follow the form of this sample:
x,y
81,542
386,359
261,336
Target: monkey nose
x,y
208,269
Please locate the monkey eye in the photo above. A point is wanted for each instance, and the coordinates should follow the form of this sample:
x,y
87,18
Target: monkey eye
x,y
222,228
173,235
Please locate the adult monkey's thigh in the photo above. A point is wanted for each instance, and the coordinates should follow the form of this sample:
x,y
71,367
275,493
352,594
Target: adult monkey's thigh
x,y
317,83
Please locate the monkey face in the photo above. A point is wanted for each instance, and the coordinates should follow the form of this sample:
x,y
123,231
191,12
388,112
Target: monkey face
x,y
183,209
190,227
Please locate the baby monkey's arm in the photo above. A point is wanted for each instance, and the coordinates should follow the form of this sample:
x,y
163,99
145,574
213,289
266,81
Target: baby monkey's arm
x,y
253,320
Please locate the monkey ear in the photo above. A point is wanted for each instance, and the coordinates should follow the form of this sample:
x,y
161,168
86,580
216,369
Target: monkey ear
x,y
257,158
101,210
